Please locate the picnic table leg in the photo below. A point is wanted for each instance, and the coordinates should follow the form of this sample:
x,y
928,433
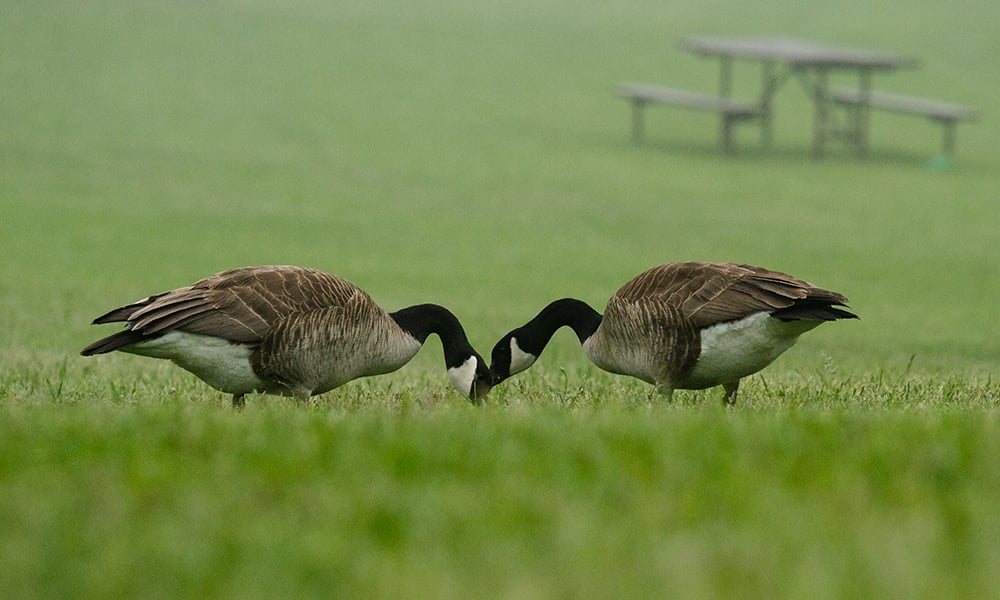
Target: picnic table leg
x,y
862,111
948,143
725,76
637,107
821,117
768,88
725,89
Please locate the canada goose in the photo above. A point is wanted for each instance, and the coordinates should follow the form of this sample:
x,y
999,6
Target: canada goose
x,y
287,330
685,325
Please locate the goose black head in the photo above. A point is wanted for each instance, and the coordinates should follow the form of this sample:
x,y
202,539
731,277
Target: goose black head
x,y
519,349
468,372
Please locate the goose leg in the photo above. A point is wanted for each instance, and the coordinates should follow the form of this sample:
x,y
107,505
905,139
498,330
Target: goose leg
x,y
238,400
730,387
665,391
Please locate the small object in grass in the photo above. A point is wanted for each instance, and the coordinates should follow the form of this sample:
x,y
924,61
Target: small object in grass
x,y
939,163
684,325
287,330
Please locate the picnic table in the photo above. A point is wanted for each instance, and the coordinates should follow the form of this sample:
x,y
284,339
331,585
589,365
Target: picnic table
x,y
811,63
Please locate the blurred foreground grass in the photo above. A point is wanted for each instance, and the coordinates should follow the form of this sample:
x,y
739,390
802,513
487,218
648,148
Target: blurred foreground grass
x,y
869,488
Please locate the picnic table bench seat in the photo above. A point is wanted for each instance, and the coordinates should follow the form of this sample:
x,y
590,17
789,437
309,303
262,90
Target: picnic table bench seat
x,y
946,113
732,111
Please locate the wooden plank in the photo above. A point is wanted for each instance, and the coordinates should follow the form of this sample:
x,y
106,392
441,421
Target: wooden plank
x,y
794,52
731,111
643,92
935,109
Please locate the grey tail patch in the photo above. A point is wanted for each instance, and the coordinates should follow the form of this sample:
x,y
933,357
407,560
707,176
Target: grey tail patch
x,y
114,342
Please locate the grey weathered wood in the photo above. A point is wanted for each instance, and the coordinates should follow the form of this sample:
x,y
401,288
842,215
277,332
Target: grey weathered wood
x,y
794,51
945,113
807,61
665,95
934,109
732,111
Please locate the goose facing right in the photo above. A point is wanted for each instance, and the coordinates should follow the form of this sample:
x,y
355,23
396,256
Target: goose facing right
x,y
683,325
287,330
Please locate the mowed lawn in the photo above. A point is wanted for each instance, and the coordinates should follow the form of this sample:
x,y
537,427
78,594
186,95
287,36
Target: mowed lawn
x,y
474,155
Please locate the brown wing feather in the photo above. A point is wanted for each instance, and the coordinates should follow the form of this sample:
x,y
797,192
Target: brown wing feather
x,y
239,304
707,293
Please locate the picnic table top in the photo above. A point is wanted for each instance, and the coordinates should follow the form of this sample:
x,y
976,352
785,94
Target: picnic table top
x,y
794,51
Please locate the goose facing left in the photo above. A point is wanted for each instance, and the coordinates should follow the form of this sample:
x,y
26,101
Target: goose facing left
x,y
682,325
289,331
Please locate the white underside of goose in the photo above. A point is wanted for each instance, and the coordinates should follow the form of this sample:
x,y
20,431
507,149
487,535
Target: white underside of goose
x,y
736,349
220,363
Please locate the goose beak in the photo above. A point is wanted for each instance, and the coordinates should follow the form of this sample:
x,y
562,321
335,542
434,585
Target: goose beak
x,y
481,386
482,383
497,379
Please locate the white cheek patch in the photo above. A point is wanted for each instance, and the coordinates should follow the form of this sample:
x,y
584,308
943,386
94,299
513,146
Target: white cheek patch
x,y
463,376
519,359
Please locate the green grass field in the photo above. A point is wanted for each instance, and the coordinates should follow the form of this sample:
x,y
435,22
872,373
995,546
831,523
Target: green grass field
x,y
474,155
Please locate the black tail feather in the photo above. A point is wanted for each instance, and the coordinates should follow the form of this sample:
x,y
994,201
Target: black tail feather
x,y
118,315
124,313
114,342
813,311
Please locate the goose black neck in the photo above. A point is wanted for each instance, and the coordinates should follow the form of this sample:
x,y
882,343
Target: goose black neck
x,y
576,314
424,319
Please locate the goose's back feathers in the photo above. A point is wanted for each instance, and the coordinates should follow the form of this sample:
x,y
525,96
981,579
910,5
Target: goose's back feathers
x,y
707,293
241,305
